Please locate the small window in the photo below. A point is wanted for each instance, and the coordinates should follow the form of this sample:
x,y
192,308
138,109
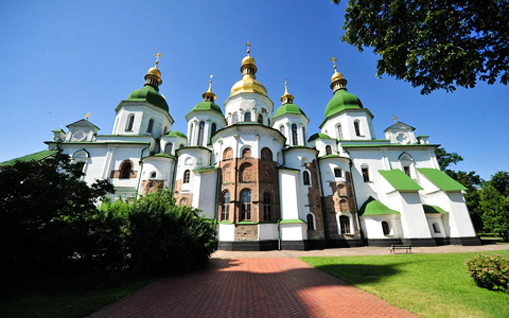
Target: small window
x,y
266,206
386,228
306,178
328,150
227,153
150,126
294,135
406,169
344,222
357,128
365,174
282,129
187,176
436,228
247,116
225,209
125,169
260,118
130,123
340,132
246,153
235,118
168,149
201,131
245,208
338,173
213,129
153,175
310,221
266,154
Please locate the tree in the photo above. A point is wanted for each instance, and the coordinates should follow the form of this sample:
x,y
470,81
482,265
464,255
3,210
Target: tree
x,y
495,208
500,181
44,206
433,44
445,158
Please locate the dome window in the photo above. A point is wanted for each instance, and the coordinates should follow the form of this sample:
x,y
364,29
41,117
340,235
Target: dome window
x,y
357,128
294,135
150,126
328,150
168,149
306,178
201,131
260,118
130,123
247,117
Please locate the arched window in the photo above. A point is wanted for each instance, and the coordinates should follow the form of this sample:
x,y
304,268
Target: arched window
x,y
386,228
225,209
357,128
187,176
406,169
181,146
227,153
365,173
168,148
165,130
310,220
235,118
344,222
80,157
246,153
328,150
247,116
338,173
282,129
246,172
153,175
150,126
266,154
201,131
266,206
213,129
260,118
305,178
340,132
294,134
436,228
130,123
191,132
125,169
245,208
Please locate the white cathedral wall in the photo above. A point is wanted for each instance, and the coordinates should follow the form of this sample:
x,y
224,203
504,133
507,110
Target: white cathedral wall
x,y
226,232
412,213
143,113
163,167
206,196
288,181
267,231
346,119
248,102
372,226
327,167
436,218
293,232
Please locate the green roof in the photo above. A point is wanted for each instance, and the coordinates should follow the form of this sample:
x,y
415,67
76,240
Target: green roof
x,y
374,207
319,136
207,106
441,180
176,133
433,209
288,109
342,100
292,221
399,180
32,157
149,94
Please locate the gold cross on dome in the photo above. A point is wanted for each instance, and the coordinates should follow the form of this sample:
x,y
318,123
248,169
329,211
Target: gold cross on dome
x,y
248,47
87,116
395,118
333,59
158,55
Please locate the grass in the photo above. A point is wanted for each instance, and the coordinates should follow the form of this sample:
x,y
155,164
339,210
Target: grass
x,y
429,285
64,295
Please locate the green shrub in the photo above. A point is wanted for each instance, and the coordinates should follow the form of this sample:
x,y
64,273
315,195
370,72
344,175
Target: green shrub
x,y
491,272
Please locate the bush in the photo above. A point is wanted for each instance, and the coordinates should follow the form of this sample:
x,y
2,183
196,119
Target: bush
x,y
491,272
166,238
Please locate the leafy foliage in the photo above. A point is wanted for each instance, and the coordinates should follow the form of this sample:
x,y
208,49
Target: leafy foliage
x,y
44,208
495,209
500,181
491,272
168,238
445,159
433,44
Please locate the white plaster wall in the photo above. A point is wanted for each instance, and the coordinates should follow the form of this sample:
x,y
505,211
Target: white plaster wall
x,y
252,102
436,218
163,167
293,232
206,201
289,198
372,226
347,119
327,172
267,231
412,214
226,232
143,113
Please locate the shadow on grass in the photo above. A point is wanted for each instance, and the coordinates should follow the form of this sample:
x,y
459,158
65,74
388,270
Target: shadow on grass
x,y
359,273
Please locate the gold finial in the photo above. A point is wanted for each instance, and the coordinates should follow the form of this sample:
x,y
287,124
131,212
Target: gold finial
x,y
87,116
210,84
158,55
286,86
287,98
395,118
209,96
248,47
333,59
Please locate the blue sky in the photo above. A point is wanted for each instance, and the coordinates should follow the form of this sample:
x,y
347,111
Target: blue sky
x,y
62,59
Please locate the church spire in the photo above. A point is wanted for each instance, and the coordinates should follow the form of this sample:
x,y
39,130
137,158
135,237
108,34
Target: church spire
x,y
208,96
248,68
153,76
337,79
287,98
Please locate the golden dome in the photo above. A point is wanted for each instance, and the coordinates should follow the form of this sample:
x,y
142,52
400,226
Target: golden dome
x,y
154,71
248,83
248,60
336,76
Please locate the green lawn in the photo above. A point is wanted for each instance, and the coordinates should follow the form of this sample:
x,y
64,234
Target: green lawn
x,y
429,285
63,296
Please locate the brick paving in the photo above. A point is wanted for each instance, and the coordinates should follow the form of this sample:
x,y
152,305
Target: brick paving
x,y
252,287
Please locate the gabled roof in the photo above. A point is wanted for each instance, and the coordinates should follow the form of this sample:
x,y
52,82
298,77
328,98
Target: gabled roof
x,y
399,126
400,181
32,157
83,123
441,180
374,207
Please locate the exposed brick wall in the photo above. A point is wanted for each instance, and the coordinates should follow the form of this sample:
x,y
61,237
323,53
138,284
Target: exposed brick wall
x,y
182,198
246,232
314,199
151,186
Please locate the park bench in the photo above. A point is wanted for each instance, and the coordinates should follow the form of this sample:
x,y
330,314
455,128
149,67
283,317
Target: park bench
x,y
393,248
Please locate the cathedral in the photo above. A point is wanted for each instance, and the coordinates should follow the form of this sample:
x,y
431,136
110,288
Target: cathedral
x,y
252,167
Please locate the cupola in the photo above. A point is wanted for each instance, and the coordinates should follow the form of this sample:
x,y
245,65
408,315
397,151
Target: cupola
x,y
248,83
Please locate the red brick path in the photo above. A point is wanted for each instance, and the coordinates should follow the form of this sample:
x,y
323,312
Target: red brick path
x,y
252,287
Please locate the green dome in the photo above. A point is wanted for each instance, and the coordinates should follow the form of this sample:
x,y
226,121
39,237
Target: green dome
x,y
342,100
207,106
150,95
288,109
176,133
319,136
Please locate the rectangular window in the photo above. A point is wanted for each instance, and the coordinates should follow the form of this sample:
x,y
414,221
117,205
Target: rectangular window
x,y
407,170
365,174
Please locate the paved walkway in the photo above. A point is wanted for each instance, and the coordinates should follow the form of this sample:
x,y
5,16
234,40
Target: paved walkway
x,y
263,284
